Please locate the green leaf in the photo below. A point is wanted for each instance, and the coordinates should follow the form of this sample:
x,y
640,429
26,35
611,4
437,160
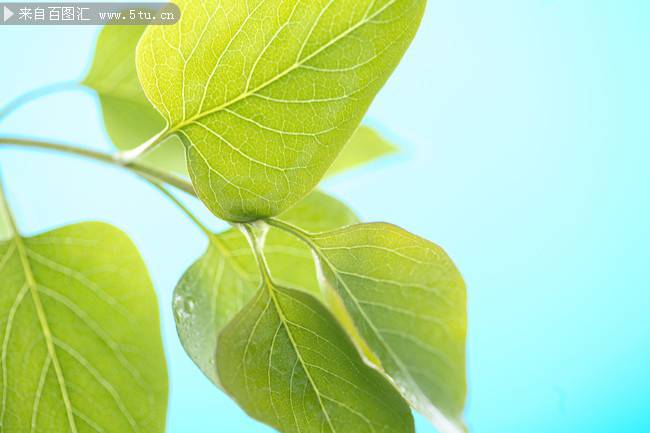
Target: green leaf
x,y
81,346
289,364
408,302
365,146
218,285
129,118
265,93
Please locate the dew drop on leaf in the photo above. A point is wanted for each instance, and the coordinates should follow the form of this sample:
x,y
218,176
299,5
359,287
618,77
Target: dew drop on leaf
x,y
183,308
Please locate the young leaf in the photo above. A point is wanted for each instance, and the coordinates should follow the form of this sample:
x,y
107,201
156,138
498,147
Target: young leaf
x,y
218,285
265,93
289,364
407,300
365,145
129,118
81,349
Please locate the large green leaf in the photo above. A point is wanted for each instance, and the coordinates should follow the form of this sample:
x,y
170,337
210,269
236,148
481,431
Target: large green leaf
x,y
265,93
129,118
218,285
365,145
408,302
289,364
81,346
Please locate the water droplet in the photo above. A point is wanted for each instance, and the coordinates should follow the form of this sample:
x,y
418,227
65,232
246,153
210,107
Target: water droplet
x,y
183,308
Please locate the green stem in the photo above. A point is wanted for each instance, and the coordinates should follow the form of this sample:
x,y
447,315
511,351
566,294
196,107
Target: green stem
x,y
144,170
35,94
5,212
297,232
156,177
291,229
180,205
129,156
151,175
257,248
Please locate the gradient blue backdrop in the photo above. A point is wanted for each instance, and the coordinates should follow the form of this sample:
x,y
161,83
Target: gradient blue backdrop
x,y
525,128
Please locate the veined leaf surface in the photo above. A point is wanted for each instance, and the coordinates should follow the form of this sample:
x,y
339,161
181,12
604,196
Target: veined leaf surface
x,y
80,339
129,117
408,302
289,364
265,93
218,285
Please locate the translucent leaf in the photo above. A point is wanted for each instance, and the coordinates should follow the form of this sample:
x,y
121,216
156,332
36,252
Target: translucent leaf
x,y
130,119
81,345
408,302
289,364
265,93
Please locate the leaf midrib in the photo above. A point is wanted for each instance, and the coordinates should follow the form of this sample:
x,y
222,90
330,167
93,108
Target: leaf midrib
x,y
45,327
30,281
297,64
303,364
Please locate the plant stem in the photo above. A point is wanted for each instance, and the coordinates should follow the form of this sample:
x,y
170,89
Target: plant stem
x,y
144,170
155,177
35,94
291,229
258,249
5,213
128,157
180,205
299,233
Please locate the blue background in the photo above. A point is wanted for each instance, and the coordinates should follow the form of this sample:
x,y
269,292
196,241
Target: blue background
x,y
525,128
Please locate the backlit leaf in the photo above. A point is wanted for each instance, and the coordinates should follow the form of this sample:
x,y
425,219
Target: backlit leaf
x,y
408,302
265,93
289,364
223,280
129,118
81,348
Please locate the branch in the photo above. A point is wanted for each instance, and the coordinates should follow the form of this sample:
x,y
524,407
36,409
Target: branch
x,y
35,94
159,175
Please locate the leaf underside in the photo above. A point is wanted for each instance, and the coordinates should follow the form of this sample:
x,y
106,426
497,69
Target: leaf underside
x,y
81,349
408,302
265,93
289,364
